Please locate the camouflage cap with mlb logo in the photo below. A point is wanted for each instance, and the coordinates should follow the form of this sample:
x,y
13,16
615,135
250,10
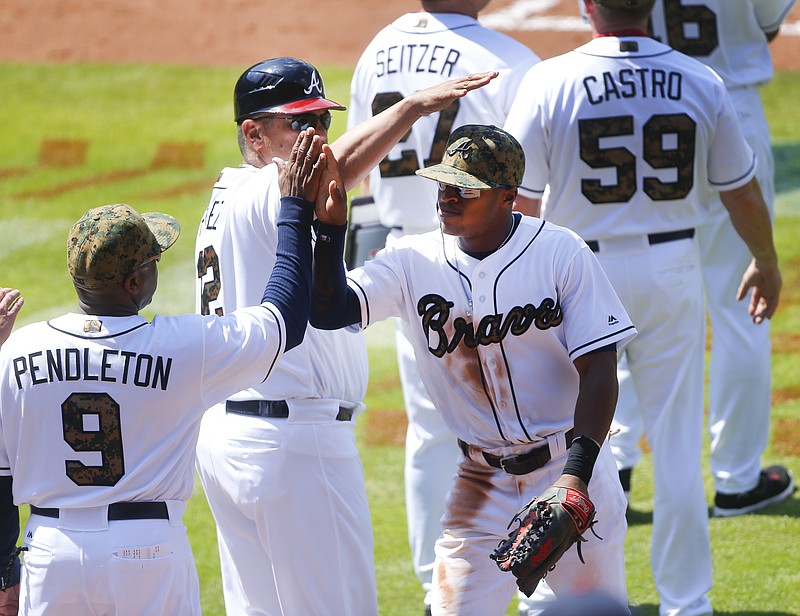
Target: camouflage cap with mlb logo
x,y
479,156
111,241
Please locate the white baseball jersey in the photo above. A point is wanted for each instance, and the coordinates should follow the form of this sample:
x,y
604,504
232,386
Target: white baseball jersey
x,y
645,166
238,225
539,302
417,51
732,40
99,409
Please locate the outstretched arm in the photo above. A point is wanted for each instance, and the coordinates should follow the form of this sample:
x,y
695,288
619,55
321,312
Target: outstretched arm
x,y
289,285
362,147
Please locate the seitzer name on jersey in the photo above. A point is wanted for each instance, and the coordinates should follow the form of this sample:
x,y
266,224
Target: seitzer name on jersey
x,y
73,364
632,83
416,58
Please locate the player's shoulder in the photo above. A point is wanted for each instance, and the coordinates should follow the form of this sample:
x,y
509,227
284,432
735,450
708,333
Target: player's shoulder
x,y
417,242
553,233
21,337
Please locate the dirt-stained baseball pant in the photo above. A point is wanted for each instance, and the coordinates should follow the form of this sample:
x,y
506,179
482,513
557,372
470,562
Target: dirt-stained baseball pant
x,y
482,501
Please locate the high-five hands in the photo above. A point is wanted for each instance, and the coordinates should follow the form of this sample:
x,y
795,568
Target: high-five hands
x,y
300,176
312,173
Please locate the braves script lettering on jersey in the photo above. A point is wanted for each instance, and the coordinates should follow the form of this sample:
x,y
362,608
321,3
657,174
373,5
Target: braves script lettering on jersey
x,y
506,385
413,52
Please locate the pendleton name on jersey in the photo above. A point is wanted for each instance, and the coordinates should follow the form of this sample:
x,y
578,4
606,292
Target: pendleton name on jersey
x,y
78,364
66,381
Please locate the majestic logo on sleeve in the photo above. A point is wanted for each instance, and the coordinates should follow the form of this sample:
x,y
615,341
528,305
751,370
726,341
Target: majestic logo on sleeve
x,y
493,328
316,84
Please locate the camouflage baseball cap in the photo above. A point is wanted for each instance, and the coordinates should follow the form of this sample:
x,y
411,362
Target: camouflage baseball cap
x,y
111,241
479,156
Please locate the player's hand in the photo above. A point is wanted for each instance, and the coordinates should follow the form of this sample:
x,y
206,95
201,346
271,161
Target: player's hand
x,y
11,302
301,175
765,282
438,97
331,204
9,601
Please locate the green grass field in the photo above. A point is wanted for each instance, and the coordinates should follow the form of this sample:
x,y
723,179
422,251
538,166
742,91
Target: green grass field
x,y
101,134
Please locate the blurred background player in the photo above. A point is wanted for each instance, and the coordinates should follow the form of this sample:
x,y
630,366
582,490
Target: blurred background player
x,y
732,37
625,139
416,51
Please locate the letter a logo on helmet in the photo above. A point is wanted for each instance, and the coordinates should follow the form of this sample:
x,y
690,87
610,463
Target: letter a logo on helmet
x,y
280,85
316,84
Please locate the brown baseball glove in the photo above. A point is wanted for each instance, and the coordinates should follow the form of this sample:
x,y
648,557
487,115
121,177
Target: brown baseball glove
x,y
548,526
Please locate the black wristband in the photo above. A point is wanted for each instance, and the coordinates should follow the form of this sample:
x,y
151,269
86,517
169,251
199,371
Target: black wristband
x,y
582,456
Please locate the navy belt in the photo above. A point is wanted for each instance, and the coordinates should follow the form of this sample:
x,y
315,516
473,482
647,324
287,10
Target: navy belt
x,y
276,409
521,463
151,510
653,238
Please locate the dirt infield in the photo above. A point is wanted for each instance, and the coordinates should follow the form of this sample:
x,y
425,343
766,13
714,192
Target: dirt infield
x,y
241,32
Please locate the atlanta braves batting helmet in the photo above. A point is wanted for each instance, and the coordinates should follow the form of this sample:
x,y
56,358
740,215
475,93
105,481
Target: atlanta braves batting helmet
x,y
280,85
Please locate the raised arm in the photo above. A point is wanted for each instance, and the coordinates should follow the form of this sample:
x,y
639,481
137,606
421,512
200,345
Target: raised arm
x,y
362,147
333,304
289,285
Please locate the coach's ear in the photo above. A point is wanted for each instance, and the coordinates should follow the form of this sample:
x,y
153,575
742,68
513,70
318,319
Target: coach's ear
x,y
252,131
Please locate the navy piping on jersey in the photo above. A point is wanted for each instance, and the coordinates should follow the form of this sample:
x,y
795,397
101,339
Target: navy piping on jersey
x,y
627,56
364,297
596,340
74,335
744,175
502,348
281,340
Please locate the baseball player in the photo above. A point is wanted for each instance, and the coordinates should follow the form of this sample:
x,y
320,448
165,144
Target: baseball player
x,y
732,37
11,302
283,452
416,51
100,410
627,137
515,327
